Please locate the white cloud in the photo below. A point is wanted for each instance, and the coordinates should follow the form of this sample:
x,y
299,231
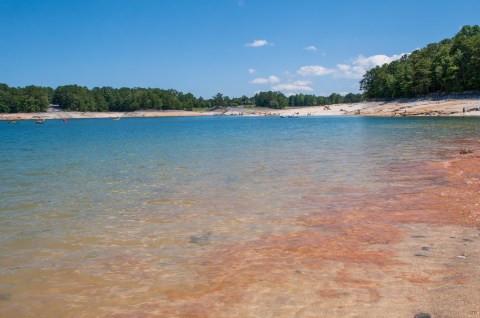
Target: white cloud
x,y
350,71
356,69
252,71
362,64
258,43
297,86
315,70
311,48
269,80
375,60
240,3
302,83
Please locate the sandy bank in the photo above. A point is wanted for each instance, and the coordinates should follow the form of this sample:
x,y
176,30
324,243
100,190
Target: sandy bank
x,y
447,106
82,115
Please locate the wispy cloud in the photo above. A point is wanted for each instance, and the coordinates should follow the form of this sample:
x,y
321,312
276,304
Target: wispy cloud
x,y
311,48
361,64
350,71
297,86
314,70
375,60
262,80
259,43
240,3
252,71
300,81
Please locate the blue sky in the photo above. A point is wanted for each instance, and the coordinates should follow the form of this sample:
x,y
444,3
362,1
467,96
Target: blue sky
x,y
236,47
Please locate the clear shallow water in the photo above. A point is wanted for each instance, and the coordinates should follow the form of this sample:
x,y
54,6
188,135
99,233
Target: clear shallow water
x,y
95,212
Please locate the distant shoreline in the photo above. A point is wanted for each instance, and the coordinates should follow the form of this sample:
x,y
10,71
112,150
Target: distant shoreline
x,y
417,107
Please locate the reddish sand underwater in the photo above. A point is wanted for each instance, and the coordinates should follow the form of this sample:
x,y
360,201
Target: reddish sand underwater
x,y
394,255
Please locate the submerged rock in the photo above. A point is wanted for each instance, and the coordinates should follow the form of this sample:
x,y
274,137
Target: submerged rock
x,y
201,239
465,151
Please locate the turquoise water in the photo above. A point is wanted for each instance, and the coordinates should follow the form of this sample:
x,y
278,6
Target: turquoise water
x,y
79,201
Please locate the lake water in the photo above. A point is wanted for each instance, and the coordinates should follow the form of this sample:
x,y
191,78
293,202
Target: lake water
x,y
103,218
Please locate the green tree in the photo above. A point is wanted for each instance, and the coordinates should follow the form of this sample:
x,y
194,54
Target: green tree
x,y
218,100
74,97
451,65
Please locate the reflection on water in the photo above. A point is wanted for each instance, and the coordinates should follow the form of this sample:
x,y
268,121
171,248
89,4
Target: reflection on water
x,y
181,216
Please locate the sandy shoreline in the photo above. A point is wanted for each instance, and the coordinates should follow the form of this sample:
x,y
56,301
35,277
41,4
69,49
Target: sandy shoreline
x,y
418,107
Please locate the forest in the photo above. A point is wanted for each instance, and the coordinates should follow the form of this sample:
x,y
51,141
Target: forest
x,y
452,65
79,98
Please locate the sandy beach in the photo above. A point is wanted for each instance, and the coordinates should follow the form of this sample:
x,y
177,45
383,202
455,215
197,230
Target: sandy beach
x,y
446,106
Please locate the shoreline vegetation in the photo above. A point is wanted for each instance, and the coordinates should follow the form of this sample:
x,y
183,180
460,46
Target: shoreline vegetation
x,y
451,65
447,105
35,99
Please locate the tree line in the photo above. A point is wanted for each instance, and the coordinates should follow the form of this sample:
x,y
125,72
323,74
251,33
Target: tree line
x,y
24,100
451,65
279,100
79,98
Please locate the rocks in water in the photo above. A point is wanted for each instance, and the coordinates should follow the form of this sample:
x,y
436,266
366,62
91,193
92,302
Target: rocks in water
x,y
201,239
421,255
461,256
425,248
465,151
422,315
